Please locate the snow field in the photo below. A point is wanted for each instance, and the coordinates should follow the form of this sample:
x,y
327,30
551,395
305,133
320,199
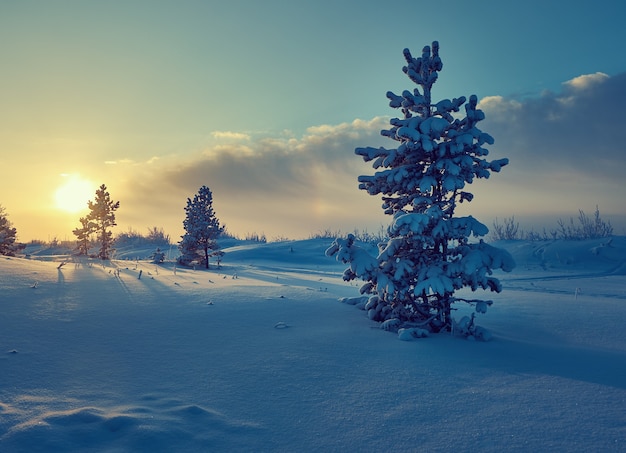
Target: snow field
x,y
271,361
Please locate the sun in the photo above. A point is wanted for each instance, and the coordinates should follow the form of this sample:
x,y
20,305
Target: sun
x,y
74,194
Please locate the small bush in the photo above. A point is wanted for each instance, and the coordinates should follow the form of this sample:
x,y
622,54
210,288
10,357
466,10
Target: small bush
x,y
509,230
131,238
255,237
587,227
157,236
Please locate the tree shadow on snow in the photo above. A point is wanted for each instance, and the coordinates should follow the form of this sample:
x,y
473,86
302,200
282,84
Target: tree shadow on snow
x,y
594,365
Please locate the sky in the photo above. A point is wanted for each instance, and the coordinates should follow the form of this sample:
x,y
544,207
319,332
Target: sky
x,y
265,102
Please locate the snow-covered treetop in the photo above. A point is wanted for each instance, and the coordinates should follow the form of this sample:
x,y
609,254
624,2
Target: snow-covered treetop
x,y
437,154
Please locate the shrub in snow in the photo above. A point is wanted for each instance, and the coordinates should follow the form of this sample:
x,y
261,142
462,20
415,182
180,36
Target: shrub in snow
x,y
134,239
8,235
587,229
158,256
202,228
101,217
428,254
465,327
507,231
412,333
358,302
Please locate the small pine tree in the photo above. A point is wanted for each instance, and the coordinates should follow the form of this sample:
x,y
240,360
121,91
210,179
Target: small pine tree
x,y
202,228
158,256
428,255
8,236
83,235
99,220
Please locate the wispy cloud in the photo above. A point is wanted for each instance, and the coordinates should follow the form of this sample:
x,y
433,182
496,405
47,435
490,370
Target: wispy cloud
x,y
230,135
120,162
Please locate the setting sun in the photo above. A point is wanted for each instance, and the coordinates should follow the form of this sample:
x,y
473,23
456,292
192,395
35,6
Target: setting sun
x,y
73,194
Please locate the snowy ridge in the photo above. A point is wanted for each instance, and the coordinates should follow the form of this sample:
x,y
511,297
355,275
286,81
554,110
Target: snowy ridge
x,y
260,356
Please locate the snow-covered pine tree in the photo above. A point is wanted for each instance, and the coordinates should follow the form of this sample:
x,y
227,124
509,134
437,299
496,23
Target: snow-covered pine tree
x,y
102,217
202,228
428,256
8,236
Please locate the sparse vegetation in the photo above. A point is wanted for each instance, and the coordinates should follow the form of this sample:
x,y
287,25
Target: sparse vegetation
x,y
360,236
508,230
158,236
586,228
254,237
52,243
131,237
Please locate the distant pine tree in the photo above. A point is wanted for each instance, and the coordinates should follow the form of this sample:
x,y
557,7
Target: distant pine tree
x,y
99,220
202,228
428,255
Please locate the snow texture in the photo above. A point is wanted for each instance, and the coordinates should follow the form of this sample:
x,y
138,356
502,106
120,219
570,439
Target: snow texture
x,y
194,360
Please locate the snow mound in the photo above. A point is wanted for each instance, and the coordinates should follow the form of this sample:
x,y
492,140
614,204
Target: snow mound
x,y
158,424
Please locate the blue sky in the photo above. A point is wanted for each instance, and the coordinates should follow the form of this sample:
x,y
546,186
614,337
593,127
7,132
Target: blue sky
x,y
264,102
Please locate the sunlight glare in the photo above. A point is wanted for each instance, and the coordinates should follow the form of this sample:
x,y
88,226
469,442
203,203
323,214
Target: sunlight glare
x,y
73,194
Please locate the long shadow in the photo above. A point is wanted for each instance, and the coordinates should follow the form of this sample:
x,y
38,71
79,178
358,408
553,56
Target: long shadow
x,y
597,365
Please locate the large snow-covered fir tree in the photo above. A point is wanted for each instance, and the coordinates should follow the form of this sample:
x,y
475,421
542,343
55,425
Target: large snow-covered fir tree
x,y
429,255
100,219
202,228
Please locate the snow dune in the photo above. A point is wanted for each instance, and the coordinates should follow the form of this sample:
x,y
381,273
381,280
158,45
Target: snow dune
x,y
261,356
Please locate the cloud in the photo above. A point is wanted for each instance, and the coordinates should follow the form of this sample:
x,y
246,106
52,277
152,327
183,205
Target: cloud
x,y
230,135
566,151
297,184
577,131
585,81
118,162
272,165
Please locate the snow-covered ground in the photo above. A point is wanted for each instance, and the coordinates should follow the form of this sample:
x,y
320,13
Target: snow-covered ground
x,y
261,356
